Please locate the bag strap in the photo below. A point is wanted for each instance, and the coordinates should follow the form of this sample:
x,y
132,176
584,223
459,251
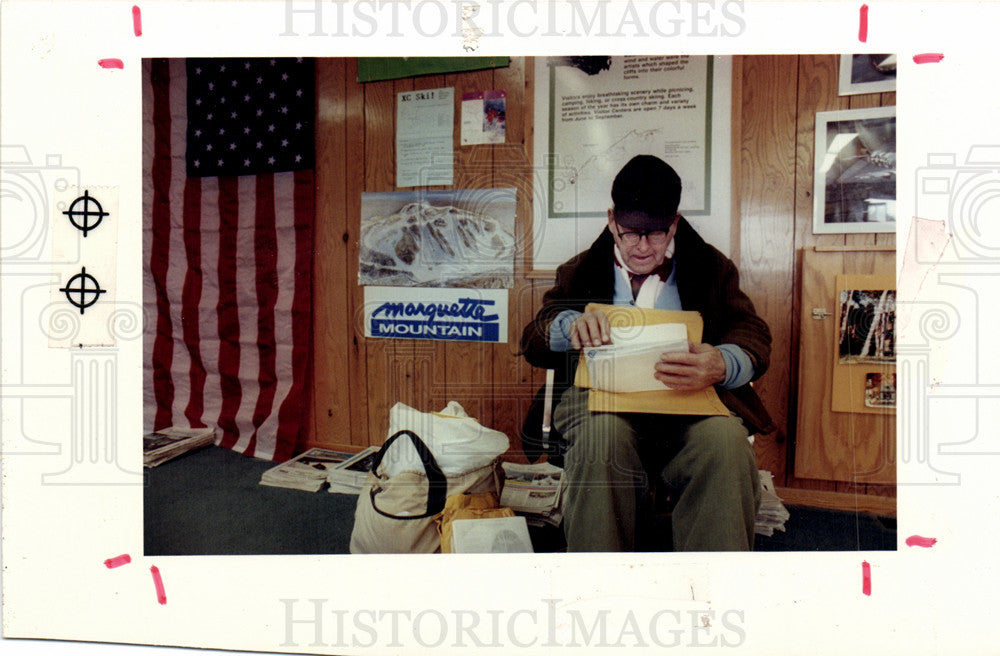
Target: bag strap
x,y
437,483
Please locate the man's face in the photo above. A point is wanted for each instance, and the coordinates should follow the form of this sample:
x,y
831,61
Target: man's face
x,y
648,252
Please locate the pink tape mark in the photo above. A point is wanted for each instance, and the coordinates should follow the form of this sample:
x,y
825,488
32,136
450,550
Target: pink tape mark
x,y
110,63
161,595
919,541
928,58
117,561
863,24
925,246
866,578
136,20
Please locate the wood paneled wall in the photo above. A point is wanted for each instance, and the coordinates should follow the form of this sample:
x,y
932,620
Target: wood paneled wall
x,y
356,380
776,105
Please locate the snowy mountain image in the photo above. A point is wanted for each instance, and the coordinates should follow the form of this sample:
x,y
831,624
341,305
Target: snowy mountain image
x,y
431,244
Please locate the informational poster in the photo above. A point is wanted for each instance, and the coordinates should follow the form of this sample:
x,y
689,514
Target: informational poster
x,y
593,114
466,315
424,137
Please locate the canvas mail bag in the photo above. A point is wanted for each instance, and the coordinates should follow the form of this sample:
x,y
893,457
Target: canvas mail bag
x,y
399,513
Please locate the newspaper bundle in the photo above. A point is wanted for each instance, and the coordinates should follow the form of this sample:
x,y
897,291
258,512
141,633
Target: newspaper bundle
x,y
772,514
535,491
306,471
349,476
168,443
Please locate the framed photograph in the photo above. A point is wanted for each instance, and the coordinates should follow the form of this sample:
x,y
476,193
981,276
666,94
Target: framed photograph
x,y
855,173
867,74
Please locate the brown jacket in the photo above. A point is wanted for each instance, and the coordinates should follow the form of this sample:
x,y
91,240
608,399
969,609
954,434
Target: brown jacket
x,y
707,282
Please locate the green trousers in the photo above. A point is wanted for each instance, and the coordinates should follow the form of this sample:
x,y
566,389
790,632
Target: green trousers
x,y
708,461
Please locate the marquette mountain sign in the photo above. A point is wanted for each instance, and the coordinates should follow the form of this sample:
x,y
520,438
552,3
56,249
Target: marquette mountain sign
x,y
473,315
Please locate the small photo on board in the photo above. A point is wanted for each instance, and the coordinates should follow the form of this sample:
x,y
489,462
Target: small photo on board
x,y
880,390
867,326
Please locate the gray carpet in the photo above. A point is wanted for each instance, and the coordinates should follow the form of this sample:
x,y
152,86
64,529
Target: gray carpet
x,y
210,502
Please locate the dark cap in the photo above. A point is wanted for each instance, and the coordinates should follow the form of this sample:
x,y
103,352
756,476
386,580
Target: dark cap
x,y
646,193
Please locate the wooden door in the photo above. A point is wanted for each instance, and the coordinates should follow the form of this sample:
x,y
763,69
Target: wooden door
x,y
846,428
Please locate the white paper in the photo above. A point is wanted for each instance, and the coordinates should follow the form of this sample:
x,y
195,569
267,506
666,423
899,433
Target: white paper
x,y
628,363
424,137
491,535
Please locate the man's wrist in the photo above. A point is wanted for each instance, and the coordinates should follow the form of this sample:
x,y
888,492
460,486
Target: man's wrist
x,y
559,337
739,366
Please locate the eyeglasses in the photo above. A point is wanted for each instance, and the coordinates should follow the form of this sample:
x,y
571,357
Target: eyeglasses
x,y
654,237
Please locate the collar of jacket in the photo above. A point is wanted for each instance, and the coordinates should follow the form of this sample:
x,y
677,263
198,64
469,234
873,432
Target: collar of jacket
x,y
597,266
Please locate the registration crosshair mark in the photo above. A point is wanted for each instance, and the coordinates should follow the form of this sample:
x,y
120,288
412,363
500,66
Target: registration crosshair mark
x,y
83,292
86,213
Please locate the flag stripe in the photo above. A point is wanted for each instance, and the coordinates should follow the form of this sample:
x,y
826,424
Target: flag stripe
x,y
284,271
228,313
192,299
159,257
301,313
247,311
180,363
266,249
205,313
149,313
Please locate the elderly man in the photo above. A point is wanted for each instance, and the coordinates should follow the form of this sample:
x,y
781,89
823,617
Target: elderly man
x,y
649,256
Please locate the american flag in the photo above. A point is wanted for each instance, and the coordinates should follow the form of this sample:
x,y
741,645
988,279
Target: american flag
x,y
228,215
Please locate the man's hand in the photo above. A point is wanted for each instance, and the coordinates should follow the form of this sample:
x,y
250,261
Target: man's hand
x,y
590,329
700,367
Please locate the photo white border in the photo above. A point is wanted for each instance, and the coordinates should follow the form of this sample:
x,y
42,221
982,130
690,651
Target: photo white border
x,y
922,600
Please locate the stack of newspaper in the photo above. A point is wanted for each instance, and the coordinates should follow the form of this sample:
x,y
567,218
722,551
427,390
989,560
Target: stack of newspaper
x,y
306,471
534,491
349,476
168,443
772,514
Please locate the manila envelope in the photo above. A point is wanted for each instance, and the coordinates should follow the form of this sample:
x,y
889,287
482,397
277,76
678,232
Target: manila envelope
x,y
666,401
